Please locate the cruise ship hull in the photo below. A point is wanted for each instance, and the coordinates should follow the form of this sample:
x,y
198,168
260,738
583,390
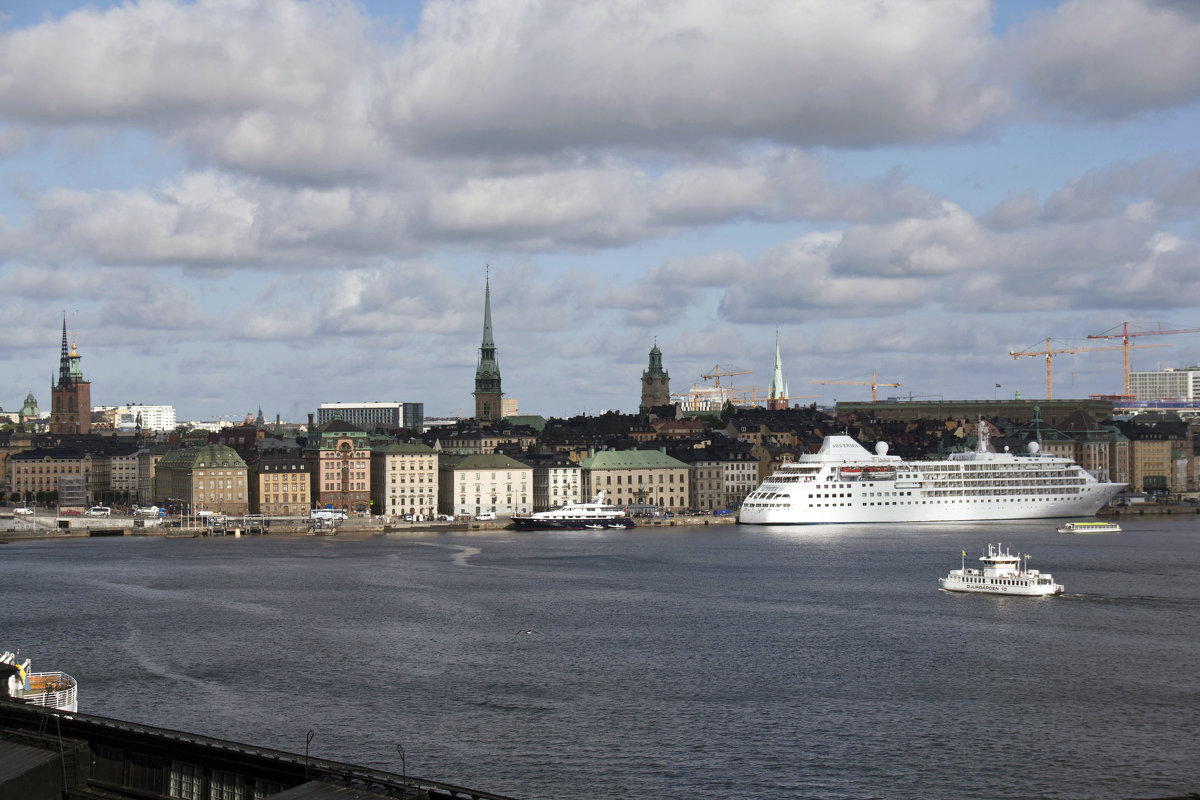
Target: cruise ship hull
x,y
844,483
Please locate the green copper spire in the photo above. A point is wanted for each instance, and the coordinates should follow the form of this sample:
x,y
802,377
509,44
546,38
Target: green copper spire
x,y
487,373
778,388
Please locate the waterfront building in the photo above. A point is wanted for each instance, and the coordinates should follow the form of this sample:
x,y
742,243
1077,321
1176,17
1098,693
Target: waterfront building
x,y
34,475
656,383
148,458
209,477
557,481
476,484
71,397
338,455
488,394
1159,447
375,416
706,478
404,479
122,472
777,391
280,485
637,477
740,474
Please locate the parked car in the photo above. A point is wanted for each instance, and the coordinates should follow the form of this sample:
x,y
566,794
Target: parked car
x,y
485,516
98,511
23,510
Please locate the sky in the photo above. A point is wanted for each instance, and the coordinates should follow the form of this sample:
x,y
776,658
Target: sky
x,y
244,204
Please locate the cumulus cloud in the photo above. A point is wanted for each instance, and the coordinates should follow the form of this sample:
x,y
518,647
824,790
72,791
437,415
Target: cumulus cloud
x,y
495,74
1112,58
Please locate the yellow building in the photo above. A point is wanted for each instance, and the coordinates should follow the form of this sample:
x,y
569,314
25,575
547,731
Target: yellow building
x,y
637,477
210,477
280,486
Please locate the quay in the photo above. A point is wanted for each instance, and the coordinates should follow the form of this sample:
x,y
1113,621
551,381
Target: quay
x,y
50,755
50,527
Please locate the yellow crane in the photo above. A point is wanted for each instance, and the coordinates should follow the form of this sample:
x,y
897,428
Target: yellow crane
x,y
717,375
874,384
1126,346
1049,354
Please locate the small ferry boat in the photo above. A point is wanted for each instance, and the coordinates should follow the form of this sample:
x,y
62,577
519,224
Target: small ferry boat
x,y
576,516
1002,573
1090,526
49,689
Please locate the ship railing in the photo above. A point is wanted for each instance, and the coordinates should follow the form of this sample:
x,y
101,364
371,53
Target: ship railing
x,y
60,698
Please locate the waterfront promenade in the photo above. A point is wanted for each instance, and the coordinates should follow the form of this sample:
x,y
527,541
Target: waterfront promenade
x,y
51,526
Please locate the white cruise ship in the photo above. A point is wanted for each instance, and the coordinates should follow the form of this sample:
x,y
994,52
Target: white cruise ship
x,y
844,482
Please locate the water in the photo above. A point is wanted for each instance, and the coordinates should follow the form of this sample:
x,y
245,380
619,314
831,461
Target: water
x,y
675,663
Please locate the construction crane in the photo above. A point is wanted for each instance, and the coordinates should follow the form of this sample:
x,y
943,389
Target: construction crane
x,y
717,375
1124,337
1049,354
874,384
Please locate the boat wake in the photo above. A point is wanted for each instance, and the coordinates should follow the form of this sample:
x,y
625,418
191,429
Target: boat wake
x,y
461,552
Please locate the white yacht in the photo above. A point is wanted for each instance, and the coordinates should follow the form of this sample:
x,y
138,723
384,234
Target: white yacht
x,y
844,482
51,689
576,516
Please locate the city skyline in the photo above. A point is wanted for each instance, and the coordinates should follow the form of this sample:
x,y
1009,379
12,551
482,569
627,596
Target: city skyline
x,y
243,205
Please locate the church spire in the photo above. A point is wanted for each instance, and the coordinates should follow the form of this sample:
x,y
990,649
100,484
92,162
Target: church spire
x,y
487,373
64,361
777,394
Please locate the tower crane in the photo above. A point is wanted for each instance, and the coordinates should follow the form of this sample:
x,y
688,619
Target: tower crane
x,y
1049,354
874,384
717,375
1124,337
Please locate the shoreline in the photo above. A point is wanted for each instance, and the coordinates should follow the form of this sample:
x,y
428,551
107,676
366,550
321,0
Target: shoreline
x,y
350,529
362,529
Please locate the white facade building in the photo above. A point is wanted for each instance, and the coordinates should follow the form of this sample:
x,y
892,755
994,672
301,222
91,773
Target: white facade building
x,y
1168,384
154,418
375,416
490,483
404,480
556,485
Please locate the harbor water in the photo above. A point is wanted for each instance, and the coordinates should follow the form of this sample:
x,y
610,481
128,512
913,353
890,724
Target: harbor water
x,y
722,661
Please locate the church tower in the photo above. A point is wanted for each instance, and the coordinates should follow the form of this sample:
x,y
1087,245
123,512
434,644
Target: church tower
x,y
71,398
777,394
656,389
487,374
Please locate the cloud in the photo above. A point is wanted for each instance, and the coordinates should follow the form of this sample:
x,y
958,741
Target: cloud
x,y
495,75
1109,59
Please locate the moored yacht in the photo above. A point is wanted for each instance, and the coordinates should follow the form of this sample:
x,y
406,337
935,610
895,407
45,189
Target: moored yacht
x,y
576,516
1001,573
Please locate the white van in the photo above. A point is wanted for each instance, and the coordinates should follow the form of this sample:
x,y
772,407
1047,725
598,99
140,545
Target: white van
x,y
485,516
98,511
